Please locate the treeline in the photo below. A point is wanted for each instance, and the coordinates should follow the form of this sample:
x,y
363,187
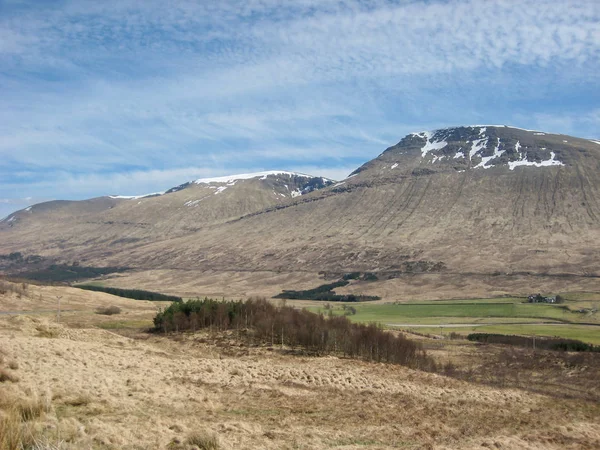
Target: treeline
x,y
326,292
266,323
559,344
136,294
367,276
18,257
68,273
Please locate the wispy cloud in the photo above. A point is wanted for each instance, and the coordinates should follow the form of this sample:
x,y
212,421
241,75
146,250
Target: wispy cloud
x,y
94,92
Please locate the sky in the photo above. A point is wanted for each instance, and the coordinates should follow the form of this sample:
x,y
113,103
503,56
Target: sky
x,y
130,97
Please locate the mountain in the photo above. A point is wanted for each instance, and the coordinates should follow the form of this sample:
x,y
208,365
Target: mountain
x,y
102,226
483,209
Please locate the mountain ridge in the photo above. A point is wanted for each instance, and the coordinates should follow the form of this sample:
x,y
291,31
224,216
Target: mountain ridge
x,y
415,209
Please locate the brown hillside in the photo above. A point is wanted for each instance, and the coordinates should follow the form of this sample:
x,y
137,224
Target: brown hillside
x,y
463,202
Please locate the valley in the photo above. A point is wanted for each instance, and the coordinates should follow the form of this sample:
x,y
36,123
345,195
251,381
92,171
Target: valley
x,y
95,381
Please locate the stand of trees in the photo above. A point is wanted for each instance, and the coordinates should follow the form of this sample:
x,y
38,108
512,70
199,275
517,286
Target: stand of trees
x,y
284,325
541,343
136,294
67,273
325,292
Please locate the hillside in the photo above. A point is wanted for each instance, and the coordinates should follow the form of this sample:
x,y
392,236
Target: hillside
x,y
89,229
495,206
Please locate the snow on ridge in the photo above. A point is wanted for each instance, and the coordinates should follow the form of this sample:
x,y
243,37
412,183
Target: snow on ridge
x,y
135,197
498,126
595,142
523,162
482,130
248,176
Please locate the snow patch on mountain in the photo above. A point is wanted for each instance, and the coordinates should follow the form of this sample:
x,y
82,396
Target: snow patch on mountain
x,y
430,144
136,197
249,176
487,159
523,162
477,145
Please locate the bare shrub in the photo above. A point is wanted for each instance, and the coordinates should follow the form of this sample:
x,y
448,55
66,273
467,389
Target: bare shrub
x,y
108,310
6,287
203,441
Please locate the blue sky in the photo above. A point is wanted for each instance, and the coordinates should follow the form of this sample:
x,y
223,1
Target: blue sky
x,y
129,97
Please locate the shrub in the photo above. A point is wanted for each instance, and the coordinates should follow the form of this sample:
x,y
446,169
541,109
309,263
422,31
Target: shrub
x,y
370,276
350,310
108,310
351,276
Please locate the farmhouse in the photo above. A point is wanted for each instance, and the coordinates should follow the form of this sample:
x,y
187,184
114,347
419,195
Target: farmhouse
x,y
539,298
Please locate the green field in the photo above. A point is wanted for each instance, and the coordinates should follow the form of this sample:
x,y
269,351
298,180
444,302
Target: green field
x,y
505,315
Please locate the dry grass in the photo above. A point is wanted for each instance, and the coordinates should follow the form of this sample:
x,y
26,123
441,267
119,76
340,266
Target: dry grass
x,y
112,391
47,331
18,420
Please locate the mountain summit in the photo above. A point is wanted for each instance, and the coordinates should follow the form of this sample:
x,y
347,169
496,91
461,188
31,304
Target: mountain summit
x,y
482,147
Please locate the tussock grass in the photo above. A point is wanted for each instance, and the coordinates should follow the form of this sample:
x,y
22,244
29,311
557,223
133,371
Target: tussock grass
x,y
79,400
17,422
47,332
5,376
203,441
